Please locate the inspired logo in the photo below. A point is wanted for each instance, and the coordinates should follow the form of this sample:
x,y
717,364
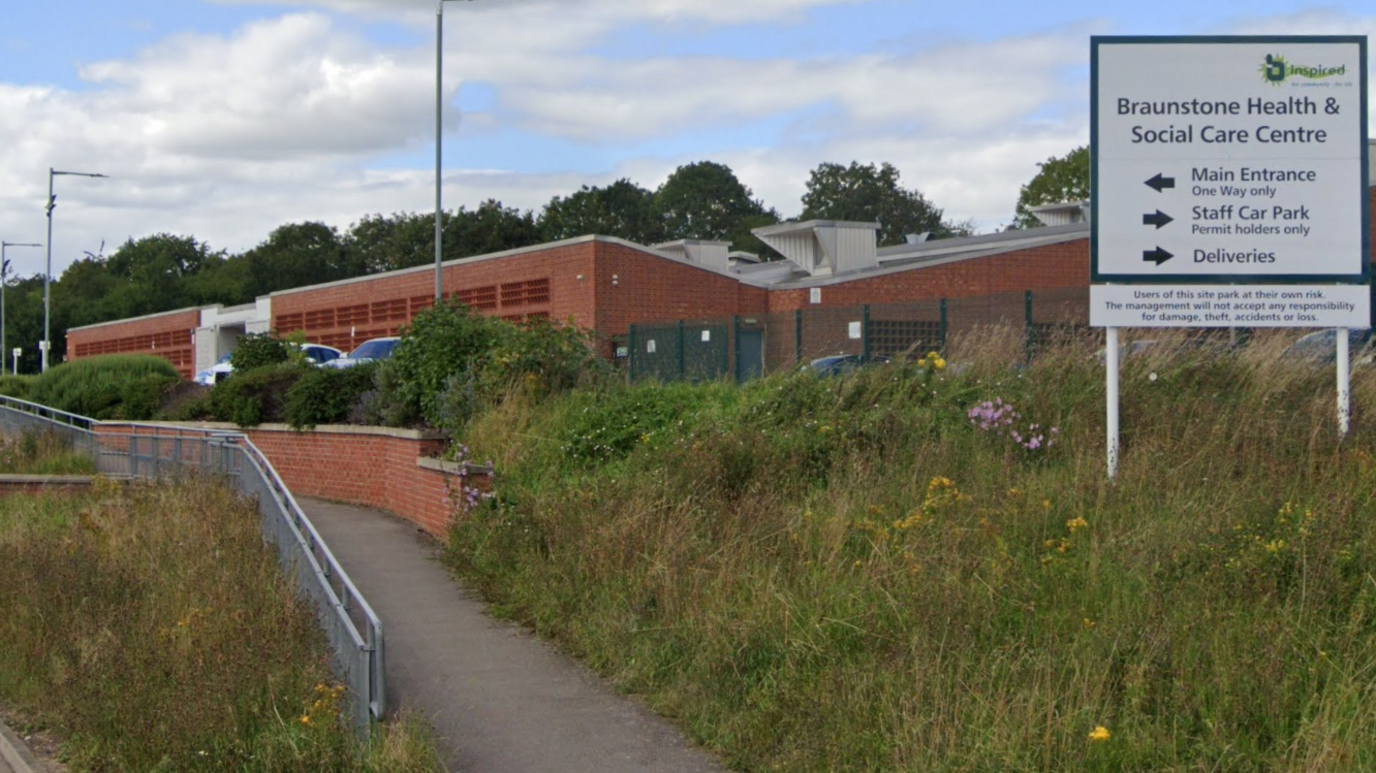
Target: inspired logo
x,y
1276,70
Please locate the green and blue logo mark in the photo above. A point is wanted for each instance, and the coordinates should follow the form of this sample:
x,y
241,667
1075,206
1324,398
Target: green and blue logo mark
x,y
1276,70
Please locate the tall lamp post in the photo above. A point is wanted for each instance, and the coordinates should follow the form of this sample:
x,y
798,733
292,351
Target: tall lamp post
x,y
439,144
4,279
48,266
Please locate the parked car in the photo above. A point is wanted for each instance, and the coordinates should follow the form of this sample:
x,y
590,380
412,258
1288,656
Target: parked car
x,y
316,354
319,354
1321,347
372,349
212,375
841,364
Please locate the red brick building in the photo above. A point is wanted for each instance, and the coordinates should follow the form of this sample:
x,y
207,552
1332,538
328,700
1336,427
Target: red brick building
x,y
606,284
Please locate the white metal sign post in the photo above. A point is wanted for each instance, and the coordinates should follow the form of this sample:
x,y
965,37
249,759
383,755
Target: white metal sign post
x,y
1229,188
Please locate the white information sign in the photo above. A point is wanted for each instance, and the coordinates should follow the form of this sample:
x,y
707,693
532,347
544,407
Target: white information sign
x,y
1346,306
1229,160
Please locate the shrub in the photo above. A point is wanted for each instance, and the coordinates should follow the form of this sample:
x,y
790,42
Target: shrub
x,y
187,401
255,396
452,363
542,356
440,342
257,350
16,386
141,399
99,387
327,395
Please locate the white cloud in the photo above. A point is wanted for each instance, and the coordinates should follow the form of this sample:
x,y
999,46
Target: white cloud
x,y
227,136
713,11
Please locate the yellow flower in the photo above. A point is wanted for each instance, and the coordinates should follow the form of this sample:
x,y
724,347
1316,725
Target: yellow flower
x,y
1090,625
306,719
1099,734
938,363
1076,523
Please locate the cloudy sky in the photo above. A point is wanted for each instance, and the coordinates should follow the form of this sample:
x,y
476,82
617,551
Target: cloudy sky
x,y
222,119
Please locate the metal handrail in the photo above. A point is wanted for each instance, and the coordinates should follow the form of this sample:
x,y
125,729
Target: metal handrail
x,y
336,606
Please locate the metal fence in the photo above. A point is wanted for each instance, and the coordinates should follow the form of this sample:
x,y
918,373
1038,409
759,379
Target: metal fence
x,y
746,346
154,451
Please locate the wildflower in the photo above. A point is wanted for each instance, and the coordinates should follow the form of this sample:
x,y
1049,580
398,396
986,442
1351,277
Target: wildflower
x,y
1099,734
305,719
910,521
1076,523
1089,626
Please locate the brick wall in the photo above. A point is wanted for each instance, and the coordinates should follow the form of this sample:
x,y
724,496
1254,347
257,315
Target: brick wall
x,y
1039,268
170,336
388,469
649,288
364,466
529,284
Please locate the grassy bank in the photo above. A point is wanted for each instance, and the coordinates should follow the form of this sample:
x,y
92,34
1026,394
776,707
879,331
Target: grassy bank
x,y
151,627
39,453
896,571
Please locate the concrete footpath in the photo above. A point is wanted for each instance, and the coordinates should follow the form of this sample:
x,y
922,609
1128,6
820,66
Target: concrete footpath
x,y
15,757
500,700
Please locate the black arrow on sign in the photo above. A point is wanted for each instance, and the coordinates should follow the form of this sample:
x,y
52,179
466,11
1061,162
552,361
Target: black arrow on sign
x,y
1159,219
1157,256
1158,182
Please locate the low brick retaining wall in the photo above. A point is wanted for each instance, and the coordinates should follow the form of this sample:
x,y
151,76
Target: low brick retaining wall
x,y
42,484
390,469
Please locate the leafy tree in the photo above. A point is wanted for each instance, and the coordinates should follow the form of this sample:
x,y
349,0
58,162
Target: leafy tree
x,y
386,243
489,228
705,201
1060,180
299,254
161,255
24,322
871,194
220,281
621,209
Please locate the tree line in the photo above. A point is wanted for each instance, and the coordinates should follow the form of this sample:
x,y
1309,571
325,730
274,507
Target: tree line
x,y
702,200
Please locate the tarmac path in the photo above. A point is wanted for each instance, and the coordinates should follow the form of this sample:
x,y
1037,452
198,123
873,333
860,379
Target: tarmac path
x,y
500,700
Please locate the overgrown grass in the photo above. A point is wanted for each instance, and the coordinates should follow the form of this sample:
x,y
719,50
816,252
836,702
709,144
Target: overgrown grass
x,y
41,453
152,627
852,574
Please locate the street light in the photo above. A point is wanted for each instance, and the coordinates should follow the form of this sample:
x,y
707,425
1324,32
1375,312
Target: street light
x,y
4,278
439,143
48,266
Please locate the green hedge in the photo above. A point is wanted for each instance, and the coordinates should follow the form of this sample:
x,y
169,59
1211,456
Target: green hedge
x,y
117,386
16,386
327,395
257,396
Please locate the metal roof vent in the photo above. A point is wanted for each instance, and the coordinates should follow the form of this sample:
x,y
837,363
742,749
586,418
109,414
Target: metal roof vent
x,y
709,254
825,247
1065,213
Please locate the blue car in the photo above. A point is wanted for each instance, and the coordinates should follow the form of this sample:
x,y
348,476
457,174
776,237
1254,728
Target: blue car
x,y
373,349
841,364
